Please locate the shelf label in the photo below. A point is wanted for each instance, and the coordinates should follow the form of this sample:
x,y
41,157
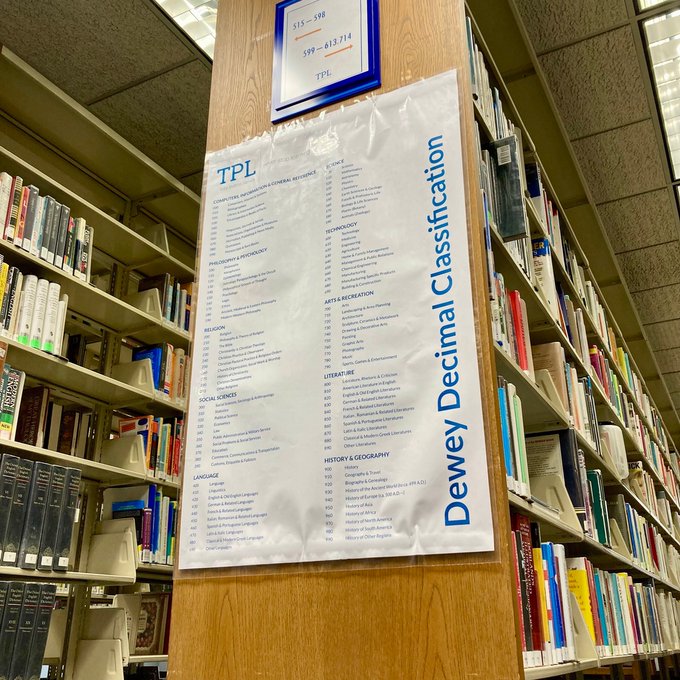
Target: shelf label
x,y
335,407
324,50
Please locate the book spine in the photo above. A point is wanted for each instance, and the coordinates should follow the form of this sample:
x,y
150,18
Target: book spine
x,y
11,319
31,212
11,275
14,209
9,468
55,501
69,244
54,231
38,226
59,326
6,182
10,400
23,334
48,339
10,625
35,516
60,244
86,255
147,520
41,630
15,522
62,547
38,320
46,232
21,221
24,633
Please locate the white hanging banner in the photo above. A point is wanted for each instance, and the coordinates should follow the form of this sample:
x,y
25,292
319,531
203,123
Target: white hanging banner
x,y
335,406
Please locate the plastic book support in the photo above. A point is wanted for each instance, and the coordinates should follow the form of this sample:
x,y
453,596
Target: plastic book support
x,y
617,540
551,490
546,384
147,301
584,647
157,234
100,659
126,453
107,623
113,549
137,374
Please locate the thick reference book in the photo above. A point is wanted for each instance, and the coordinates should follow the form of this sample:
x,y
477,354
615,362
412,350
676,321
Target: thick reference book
x,y
33,416
17,514
62,549
40,631
9,468
37,504
55,502
10,625
24,634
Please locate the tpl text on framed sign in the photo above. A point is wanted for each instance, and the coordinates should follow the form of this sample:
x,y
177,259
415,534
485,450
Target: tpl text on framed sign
x,y
324,51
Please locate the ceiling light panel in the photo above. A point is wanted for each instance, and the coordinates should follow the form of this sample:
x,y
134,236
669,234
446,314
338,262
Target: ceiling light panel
x,y
197,18
662,34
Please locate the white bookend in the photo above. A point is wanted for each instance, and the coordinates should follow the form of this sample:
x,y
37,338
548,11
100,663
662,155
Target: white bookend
x,y
107,623
156,234
26,307
147,301
54,426
48,339
60,324
38,320
584,647
551,490
617,540
125,452
137,374
113,554
100,659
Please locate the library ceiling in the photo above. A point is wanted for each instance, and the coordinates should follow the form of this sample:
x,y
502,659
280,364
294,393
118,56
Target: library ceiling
x,y
593,59
129,65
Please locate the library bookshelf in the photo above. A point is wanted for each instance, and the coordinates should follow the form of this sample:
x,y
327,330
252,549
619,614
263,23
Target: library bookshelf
x,y
144,223
619,398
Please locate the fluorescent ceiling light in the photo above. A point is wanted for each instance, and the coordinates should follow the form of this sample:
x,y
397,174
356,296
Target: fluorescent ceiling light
x,y
663,42
197,18
646,4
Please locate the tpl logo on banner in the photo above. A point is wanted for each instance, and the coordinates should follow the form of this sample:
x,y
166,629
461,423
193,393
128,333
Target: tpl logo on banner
x,y
233,172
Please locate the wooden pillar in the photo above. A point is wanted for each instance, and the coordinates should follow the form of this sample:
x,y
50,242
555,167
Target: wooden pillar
x,y
443,617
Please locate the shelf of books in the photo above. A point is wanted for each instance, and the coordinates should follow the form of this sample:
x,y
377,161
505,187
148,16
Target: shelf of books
x,y
592,475
95,314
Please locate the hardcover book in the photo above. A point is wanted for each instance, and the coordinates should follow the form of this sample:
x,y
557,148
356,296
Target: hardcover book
x,y
24,633
55,502
35,515
17,515
10,625
9,468
62,549
40,632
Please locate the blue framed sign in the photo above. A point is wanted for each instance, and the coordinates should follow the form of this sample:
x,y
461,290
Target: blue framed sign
x,y
324,51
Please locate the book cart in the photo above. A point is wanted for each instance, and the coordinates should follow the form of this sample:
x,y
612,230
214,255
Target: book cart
x,y
647,439
144,223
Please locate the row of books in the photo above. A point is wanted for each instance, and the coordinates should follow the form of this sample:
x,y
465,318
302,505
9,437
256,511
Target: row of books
x,y
38,503
559,455
33,310
155,516
31,416
622,617
169,366
44,227
25,615
163,443
503,187
175,298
